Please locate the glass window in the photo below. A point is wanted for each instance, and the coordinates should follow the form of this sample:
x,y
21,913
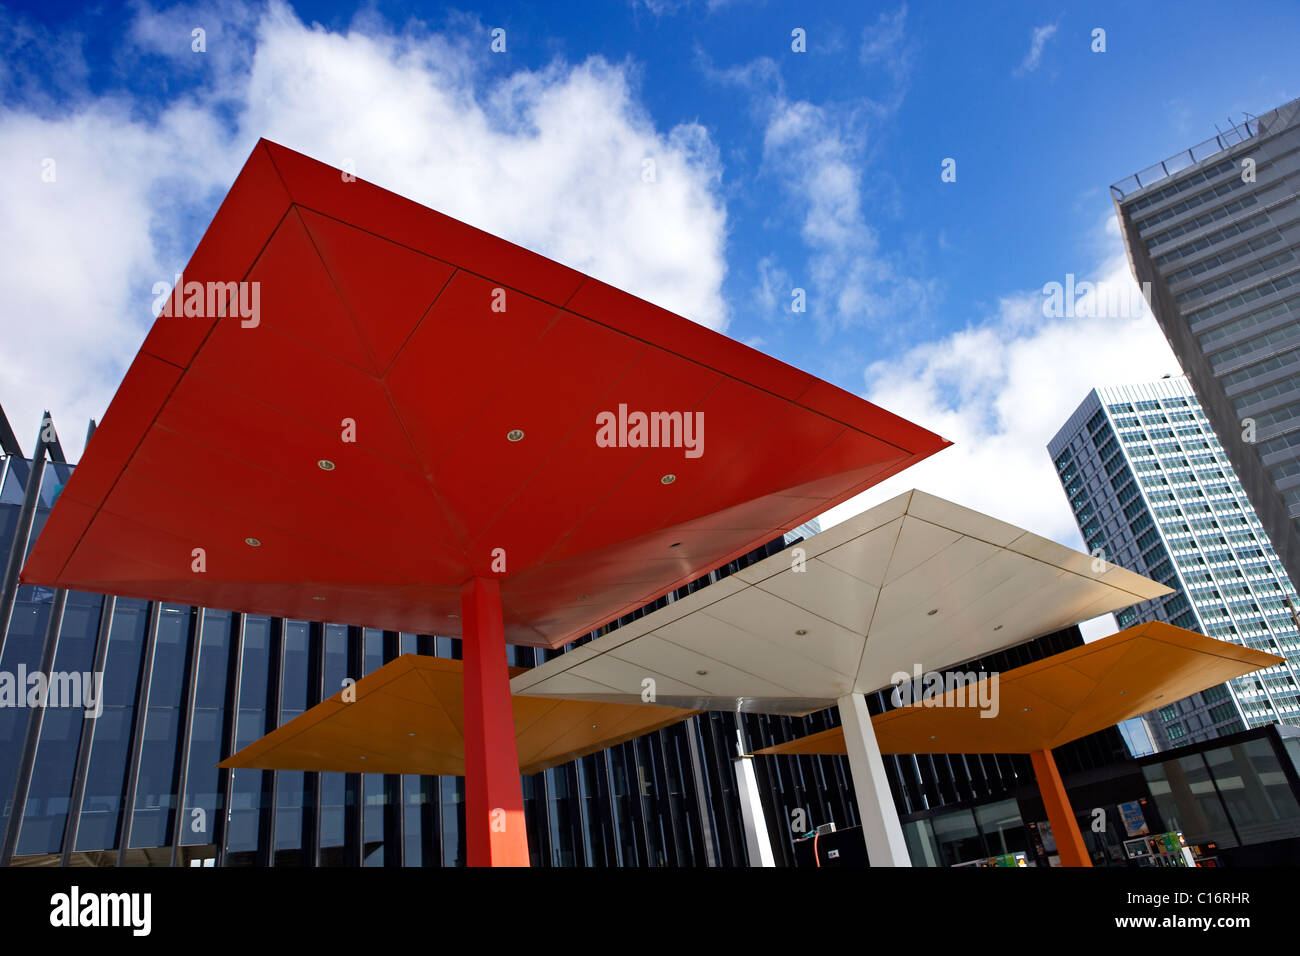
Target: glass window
x,y
1003,829
958,837
155,797
72,697
374,650
1256,791
333,786
23,645
291,784
416,795
453,820
246,794
110,750
333,819
922,847
1188,801
1293,751
202,793
373,819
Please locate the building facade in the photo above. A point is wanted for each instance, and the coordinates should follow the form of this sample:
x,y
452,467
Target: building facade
x,y
125,773
1216,233
1153,491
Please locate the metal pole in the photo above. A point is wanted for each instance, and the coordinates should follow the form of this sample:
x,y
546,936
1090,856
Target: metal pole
x,y
707,826
270,792
230,731
394,815
674,821
73,823
137,731
311,780
192,663
354,794
22,531
8,441
431,789
35,720
616,824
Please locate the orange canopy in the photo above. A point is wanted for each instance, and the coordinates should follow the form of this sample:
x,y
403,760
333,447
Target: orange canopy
x,y
406,717
1055,700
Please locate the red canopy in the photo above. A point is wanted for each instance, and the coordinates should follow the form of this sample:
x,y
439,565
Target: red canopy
x,y
347,446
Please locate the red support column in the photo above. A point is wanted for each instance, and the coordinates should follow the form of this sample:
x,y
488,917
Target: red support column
x,y
494,800
1069,841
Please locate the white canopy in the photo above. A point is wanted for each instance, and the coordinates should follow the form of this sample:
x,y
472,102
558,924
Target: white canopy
x,y
914,582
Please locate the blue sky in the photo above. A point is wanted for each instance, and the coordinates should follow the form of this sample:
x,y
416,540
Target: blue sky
x,y
774,170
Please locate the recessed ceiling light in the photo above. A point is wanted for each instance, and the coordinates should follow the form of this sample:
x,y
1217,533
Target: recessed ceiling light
x,y
594,726
325,464
1122,693
515,434
933,737
1024,710
252,542
702,673
668,479
318,597
453,616
802,631
933,611
363,756
411,734
997,627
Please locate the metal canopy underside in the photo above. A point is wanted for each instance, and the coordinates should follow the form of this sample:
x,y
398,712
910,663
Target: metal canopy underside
x,y
1061,698
407,718
914,581
378,312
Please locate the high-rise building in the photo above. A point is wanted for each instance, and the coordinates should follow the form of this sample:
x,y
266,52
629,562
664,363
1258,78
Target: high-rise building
x,y
1152,490
1216,233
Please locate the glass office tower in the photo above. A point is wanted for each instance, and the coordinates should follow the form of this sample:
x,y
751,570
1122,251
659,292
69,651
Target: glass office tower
x,y
1152,491
185,687
1216,231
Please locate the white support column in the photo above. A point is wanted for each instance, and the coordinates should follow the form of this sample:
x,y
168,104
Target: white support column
x,y
880,826
751,813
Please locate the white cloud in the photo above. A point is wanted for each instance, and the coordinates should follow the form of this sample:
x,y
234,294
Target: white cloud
x,y
775,290
552,159
1037,41
999,390
670,8
885,46
79,254
818,153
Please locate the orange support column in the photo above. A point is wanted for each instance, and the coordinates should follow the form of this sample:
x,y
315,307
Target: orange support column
x,y
1069,841
494,800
